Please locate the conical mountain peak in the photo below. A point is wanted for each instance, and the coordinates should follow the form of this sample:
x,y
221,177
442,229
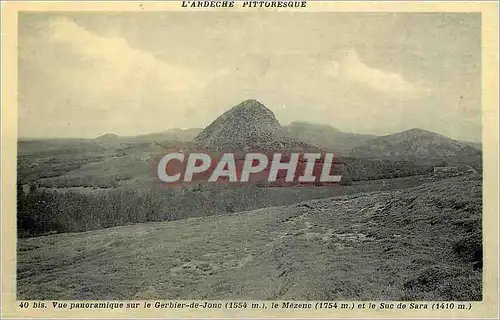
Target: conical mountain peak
x,y
248,125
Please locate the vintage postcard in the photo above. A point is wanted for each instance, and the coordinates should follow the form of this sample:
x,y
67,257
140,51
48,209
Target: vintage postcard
x,y
249,159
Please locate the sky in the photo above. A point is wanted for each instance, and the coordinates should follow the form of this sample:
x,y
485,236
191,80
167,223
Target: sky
x,y
86,74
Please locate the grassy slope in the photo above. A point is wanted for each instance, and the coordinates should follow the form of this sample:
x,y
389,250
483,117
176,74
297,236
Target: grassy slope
x,y
385,245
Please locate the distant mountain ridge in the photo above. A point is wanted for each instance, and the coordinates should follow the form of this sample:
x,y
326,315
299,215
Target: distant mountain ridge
x,y
171,134
107,136
413,144
248,126
326,136
475,145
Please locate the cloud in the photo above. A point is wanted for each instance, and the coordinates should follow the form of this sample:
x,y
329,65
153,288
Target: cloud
x,y
350,68
115,62
98,83
83,75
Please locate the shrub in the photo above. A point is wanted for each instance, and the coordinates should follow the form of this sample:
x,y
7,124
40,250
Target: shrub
x,y
444,282
470,248
346,180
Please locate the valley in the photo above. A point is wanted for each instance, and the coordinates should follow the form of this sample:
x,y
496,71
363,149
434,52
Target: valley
x,y
404,223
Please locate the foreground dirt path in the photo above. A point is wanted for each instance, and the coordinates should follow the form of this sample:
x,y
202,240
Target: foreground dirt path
x,y
396,245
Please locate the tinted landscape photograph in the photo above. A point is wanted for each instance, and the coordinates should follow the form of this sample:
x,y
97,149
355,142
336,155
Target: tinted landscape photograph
x,y
396,97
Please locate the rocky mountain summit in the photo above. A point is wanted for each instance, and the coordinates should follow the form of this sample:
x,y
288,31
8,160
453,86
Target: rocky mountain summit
x,y
248,126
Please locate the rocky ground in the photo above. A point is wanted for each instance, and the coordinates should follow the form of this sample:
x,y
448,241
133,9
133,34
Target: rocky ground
x,y
422,243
